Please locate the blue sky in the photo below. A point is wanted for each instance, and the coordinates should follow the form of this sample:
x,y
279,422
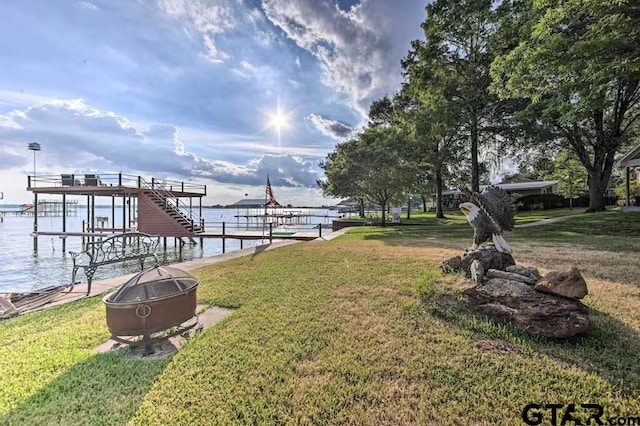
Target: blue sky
x,y
187,89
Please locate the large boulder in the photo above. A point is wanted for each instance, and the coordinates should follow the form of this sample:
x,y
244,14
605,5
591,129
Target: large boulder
x,y
540,313
568,284
488,256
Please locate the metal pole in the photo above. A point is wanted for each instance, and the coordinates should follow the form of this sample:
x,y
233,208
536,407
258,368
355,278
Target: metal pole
x,y
34,146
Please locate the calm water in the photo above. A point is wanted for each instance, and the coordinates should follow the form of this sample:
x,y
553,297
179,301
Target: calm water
x,y
22,269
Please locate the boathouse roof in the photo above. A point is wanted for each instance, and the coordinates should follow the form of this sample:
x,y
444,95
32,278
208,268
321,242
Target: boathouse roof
x,y
249,202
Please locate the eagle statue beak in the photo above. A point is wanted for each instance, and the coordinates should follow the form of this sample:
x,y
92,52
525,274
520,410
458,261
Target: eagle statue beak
x,y
466,208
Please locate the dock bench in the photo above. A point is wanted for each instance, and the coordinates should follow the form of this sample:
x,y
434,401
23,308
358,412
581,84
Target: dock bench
x,y
119,248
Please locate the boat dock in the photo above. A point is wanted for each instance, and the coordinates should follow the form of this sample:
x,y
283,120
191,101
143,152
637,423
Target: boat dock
x,y
268,233
156,206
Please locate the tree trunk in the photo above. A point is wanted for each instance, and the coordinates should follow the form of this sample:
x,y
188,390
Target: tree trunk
x,y
439,209
475,170
409,208
383,205
597,189
361,208
424,204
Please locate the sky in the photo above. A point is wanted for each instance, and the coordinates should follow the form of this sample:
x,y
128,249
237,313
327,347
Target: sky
x,y
220,92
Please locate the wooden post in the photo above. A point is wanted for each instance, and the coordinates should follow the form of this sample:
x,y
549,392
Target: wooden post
x,y
124,213
113,211
35,221
241,241
224,232
270,232
64,221
93,213
320,230
164,239
88,211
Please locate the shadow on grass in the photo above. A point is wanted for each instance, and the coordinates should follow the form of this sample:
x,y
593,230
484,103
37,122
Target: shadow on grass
x,y
610,349
259,250
104,389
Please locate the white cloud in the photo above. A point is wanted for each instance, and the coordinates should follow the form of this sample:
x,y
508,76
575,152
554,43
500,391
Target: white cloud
x,y
208,18
359,49
213,53
14,98
77,137
332,128
86,5
246,70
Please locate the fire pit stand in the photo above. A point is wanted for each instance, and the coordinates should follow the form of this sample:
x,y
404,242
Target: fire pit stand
x,y
152,306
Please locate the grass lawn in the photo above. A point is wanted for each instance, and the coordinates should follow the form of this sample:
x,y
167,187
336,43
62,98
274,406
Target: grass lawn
x,y
362,329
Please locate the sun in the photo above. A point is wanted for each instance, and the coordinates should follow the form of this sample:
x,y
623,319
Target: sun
x,y
278,120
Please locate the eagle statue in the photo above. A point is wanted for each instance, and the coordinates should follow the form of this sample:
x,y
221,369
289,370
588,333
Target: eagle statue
x,y
490,213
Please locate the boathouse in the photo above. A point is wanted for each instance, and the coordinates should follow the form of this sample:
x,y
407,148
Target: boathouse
x,y
157,207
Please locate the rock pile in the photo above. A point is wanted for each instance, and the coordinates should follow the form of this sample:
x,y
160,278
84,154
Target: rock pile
x,y
547,306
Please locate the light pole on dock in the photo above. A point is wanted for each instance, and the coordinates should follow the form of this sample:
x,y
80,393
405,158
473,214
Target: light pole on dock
x,y
35,146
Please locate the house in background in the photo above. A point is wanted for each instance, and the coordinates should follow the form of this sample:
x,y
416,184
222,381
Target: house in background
x,y
631,163
529,194
348,206
524,187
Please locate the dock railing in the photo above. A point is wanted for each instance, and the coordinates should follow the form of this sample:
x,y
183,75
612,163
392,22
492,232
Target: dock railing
x,y
111,180
267,231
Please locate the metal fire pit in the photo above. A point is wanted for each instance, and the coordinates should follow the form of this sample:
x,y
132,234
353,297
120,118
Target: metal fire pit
x,y
153,305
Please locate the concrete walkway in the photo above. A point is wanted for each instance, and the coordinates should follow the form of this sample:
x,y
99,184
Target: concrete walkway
x,y
548,221
101,287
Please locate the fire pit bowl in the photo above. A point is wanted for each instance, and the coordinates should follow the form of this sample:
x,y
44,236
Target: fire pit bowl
x,y
154,300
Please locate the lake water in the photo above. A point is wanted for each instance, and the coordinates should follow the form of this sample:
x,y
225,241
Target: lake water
x,y
23,270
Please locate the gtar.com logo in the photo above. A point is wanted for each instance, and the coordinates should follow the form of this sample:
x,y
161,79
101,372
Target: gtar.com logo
x,y
573,414
557,414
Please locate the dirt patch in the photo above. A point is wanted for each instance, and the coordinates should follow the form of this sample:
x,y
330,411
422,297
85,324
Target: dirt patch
x,y
618,267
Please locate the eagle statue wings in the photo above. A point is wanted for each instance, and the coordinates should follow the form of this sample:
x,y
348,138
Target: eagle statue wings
x,y
490,214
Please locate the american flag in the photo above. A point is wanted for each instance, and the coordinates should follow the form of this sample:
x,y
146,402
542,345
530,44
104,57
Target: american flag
x,y
271,200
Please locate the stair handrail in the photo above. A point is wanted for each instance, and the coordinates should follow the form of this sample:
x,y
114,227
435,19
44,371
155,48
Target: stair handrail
x,y
173,203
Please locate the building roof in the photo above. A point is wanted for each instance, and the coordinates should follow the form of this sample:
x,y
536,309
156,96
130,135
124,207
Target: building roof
x,y
510,187
348,202
526,186
249,202
631,158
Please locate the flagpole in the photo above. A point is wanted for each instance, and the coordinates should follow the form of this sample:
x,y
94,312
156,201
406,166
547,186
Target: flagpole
x,y
265,196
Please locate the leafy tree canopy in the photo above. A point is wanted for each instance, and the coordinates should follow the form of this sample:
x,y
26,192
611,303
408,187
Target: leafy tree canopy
x,y
579,63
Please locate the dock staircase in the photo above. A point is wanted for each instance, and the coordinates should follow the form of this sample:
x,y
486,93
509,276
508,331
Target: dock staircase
x,y
175,216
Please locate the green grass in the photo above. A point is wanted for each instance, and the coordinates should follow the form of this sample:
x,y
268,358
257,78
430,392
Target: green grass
x,y
359,330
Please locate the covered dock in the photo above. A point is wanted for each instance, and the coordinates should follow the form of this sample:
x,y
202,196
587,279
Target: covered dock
x,y
155,206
